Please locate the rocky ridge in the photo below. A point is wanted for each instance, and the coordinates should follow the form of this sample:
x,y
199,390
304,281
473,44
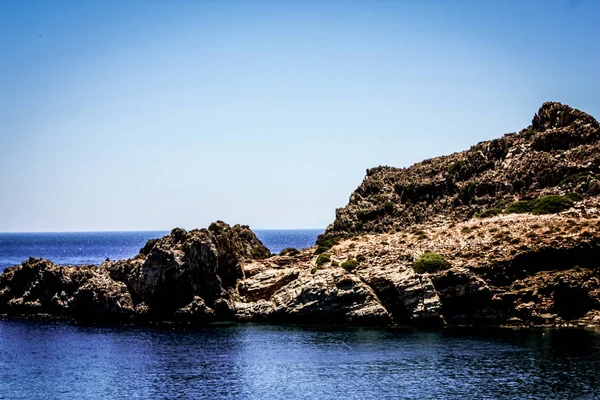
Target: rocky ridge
x,y
558,153
515,269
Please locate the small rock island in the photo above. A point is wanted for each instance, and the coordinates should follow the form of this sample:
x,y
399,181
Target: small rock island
x,y
505,233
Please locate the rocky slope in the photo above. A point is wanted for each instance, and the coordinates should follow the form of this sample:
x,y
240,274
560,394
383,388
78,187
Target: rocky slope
x,y
516,269
523,263
559,152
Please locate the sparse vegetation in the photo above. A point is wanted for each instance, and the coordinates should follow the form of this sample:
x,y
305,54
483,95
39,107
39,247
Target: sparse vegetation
x,y
519,207
468,191
389,207
289,251
323,259
492,212
528,132
260,253
551,204
501,204
430,262
326,244
350,265
574,196
574,178
456,166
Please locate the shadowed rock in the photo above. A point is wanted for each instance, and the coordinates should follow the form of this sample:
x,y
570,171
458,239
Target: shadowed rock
x,y
505,268
182,276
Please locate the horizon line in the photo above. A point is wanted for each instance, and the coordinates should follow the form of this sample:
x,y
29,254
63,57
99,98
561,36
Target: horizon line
x,y
156,230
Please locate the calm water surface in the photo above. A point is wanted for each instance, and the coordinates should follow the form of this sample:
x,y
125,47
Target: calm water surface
x,y
44,360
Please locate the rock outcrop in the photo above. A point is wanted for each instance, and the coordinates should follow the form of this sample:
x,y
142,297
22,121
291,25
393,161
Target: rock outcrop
x,y
184,276
559,152
506,261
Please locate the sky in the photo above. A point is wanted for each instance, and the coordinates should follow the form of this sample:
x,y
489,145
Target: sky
x,y
147,115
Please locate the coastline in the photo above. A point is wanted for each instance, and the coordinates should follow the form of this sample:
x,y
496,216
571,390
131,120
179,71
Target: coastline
x,y
506,233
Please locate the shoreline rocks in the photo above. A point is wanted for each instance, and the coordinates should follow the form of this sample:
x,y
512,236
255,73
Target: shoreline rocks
x,y
500,267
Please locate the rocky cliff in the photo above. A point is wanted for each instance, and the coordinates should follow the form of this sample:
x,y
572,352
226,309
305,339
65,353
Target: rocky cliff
x,y
558,153
184,276
506,233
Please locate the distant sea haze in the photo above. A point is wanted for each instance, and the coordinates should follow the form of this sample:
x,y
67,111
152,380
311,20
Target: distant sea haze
x,y
77,248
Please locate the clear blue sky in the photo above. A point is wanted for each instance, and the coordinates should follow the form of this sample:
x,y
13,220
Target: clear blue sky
x,y
141,115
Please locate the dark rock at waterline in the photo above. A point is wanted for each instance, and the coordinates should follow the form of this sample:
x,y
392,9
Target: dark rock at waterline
x,y
184,276
525,267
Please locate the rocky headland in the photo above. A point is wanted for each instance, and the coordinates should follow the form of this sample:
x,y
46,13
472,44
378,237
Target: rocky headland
x,y
505,233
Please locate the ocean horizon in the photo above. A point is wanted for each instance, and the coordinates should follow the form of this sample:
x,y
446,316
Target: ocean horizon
x,y
93,248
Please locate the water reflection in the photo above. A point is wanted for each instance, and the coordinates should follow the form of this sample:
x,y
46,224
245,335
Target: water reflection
x,y
264,361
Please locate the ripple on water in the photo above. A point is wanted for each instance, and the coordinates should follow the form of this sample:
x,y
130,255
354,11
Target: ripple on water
x,y
277,362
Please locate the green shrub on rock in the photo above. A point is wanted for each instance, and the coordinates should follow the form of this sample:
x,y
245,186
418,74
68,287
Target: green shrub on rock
x,y
260,253
325,244
519,207
323,259
574,196
350,265
430,262
492,212
551,204
289,251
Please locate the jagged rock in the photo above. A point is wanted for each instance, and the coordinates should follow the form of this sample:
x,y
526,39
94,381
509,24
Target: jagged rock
x,y
517,269
557,115
263,285
558,152
467,299
195,311
100,297
178,277
331,296
545,295
411,298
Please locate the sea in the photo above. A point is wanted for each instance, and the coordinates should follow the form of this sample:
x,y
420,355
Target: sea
x,y
60,360
85,248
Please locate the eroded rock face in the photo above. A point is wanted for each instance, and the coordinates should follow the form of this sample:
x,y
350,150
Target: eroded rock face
x,y
558,153
184,276
467,299
517,269
410,297
325,296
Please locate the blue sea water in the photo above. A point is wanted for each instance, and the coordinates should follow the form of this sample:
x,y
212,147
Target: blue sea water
x,y
61,361
76,248
42,360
